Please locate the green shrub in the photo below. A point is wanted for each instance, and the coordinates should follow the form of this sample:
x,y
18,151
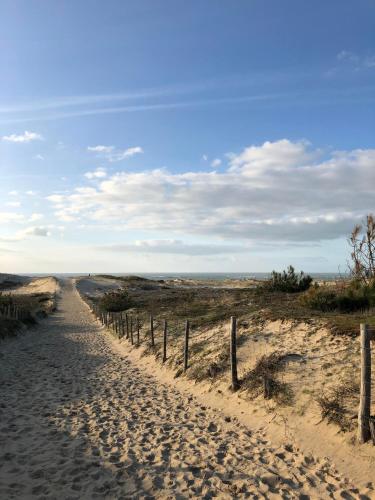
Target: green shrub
x,y
115,301
348,300
288,281
320,299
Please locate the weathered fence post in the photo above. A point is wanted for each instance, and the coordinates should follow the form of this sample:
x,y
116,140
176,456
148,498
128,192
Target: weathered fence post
x,y
152,330
138,326
121,325
165,341
365,390
233,353
131,330
127,325
186,346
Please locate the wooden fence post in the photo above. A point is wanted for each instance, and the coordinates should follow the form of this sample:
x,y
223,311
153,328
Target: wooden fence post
x,y
233,353
365,390
127,325
121,325
186,346
138,326
152,331
165,341
131,330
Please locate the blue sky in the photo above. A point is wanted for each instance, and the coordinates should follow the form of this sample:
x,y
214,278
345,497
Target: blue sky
x,y
184,136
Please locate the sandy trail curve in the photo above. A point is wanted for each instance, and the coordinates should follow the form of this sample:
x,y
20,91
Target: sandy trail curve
x,y
80,421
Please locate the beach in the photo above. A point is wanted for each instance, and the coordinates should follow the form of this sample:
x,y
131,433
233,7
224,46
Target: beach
x,y
80,419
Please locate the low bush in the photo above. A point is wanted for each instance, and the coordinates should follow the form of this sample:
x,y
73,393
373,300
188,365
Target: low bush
x,y
116,301
347,300
288,281
320,298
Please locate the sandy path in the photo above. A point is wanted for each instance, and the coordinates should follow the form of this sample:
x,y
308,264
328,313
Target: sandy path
x,y
79,421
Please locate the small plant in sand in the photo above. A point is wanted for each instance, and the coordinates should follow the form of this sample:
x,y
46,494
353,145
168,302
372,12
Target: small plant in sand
x,y
338,405
264,379
115,301
210,368
288,281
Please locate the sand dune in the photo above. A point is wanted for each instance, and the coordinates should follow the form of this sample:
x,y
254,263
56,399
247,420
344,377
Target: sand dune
x,y
47,284
79,420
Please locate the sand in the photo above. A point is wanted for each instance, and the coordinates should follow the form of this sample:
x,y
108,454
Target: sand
x,y
47,284
80,420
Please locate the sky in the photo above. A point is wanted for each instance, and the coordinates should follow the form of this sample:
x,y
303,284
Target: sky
x,y
174,136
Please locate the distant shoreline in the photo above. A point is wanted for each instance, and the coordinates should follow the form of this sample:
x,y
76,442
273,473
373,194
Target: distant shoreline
x,y
196,276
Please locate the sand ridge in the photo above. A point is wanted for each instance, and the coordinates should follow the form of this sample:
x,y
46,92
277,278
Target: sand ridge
x,y
80,421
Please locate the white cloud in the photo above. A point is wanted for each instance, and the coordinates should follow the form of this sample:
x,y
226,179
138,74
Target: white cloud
x,y
56,198
35,217
9,217
113,154
127,153
99,173
281,191
174,247
31,193
204,157
38,157
14,204
101,149
13,193
25,137
216,163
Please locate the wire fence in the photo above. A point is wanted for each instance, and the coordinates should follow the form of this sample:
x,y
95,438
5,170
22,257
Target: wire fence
x,y
341,357
14,312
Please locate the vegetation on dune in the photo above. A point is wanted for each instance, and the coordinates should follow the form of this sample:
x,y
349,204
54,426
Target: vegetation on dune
x,y
264,379
352,298
337,405
288,281
115,301
33,306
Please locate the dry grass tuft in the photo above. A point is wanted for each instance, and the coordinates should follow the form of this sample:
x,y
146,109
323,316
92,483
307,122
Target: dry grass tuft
x,y
263,379
337,406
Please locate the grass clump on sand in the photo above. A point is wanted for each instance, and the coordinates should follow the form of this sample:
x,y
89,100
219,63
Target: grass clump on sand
x,y
264,379
115,301
288,281
211,368
337,406
33,307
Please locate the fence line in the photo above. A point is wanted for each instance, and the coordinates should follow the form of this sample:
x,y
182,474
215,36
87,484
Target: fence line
x,y
124,327
11,311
